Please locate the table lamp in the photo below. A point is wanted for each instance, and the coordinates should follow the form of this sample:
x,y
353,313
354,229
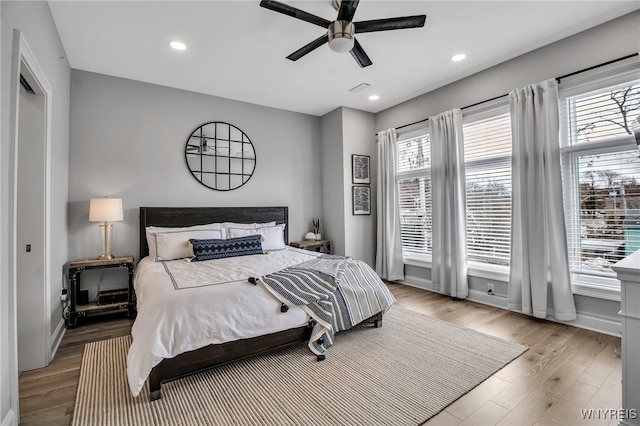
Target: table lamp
x,y
105,210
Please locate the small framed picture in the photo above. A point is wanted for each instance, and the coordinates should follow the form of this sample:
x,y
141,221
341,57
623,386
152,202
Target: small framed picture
x,y
360,171
361,200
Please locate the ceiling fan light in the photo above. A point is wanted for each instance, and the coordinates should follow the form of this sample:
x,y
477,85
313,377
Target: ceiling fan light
x,y
341,44
341,37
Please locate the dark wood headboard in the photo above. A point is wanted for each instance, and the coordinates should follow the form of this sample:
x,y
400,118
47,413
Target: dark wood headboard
x,y
188,216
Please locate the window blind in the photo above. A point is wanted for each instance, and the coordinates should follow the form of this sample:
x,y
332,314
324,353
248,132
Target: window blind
x,y
601,177
414,195
487,154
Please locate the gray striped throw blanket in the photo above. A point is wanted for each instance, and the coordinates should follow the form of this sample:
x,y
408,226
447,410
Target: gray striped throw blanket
x,y
337,292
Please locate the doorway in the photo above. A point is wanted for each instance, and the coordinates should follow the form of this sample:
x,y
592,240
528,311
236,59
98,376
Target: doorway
x,y
33,338
29,211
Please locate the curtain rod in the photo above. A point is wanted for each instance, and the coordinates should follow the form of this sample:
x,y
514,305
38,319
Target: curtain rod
x,y
506,94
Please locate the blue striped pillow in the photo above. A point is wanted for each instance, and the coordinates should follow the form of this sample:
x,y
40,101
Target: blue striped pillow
x,y
231,247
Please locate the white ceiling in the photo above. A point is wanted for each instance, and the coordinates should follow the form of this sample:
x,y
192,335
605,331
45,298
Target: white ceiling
x,y
237,49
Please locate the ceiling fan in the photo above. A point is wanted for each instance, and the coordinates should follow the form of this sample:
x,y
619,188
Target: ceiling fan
x,y
340,33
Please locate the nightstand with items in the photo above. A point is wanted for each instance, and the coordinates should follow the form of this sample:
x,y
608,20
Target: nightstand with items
x,y
322,246
107,301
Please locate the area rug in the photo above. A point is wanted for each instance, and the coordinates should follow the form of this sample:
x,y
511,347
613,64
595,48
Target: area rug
x,y
402,373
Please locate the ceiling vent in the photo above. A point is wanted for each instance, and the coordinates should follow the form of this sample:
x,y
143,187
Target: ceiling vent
x,y
360,88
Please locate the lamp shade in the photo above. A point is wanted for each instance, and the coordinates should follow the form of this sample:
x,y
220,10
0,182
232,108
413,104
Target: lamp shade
x,y
105,209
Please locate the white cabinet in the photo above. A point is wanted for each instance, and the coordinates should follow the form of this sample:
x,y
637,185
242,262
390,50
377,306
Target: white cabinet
x,y
628,271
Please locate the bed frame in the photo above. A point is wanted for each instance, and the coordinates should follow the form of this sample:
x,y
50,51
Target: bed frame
x,y
215,355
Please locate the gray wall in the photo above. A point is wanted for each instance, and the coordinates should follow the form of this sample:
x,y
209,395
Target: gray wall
x,y
606,42
5,344
35,21
358,135
333,207
347,131
128,140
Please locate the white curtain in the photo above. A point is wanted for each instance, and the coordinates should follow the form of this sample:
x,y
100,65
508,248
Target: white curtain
x,y
389,263
539,258
449,258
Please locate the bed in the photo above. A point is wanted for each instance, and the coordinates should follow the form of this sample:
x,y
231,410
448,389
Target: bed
x,y
175,288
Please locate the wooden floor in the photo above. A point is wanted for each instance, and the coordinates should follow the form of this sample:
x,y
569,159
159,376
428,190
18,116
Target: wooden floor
x,y
565,370
47,395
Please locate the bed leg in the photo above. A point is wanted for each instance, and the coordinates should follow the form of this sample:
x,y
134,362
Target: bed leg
x,y
154,387
377,320
153,395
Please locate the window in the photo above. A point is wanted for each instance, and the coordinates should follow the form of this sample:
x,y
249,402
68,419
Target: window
x,y
414,195
487,157
601,180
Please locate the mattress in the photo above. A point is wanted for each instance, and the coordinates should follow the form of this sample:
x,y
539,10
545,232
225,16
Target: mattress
x,y
184,305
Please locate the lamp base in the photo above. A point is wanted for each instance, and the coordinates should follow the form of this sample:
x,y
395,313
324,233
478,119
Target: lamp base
x,y
105,236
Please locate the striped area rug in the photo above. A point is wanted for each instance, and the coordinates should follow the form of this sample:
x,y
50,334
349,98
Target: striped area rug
x,y
400,374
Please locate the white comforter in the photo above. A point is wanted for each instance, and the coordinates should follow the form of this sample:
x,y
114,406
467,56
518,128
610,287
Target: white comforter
x,y
185,305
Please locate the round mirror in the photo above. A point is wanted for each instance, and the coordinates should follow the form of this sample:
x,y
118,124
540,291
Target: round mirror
x,y
220,156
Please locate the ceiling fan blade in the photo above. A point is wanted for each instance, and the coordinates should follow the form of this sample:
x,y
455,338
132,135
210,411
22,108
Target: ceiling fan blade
x,y
347,10
390,24
285,9
308,48
360,55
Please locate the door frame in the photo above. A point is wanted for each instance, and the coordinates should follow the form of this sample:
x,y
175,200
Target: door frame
x,y
24,62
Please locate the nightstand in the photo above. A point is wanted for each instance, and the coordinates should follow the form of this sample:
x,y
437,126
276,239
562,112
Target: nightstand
x,y
117,302
322,246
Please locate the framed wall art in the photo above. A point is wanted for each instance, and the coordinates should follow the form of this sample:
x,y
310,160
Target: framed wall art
x,y
360,170
361,200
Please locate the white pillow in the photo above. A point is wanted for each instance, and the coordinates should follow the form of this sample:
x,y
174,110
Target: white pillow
x,y
247,225
272,236
151,230
176,245
154,229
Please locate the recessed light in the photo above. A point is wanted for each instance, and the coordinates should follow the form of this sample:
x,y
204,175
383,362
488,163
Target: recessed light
x,y
374,97
178,45
459,57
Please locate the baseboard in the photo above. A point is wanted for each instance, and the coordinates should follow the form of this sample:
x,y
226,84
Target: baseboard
x,y
595,323
57,336
417,282
483,297
9,419
604,325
